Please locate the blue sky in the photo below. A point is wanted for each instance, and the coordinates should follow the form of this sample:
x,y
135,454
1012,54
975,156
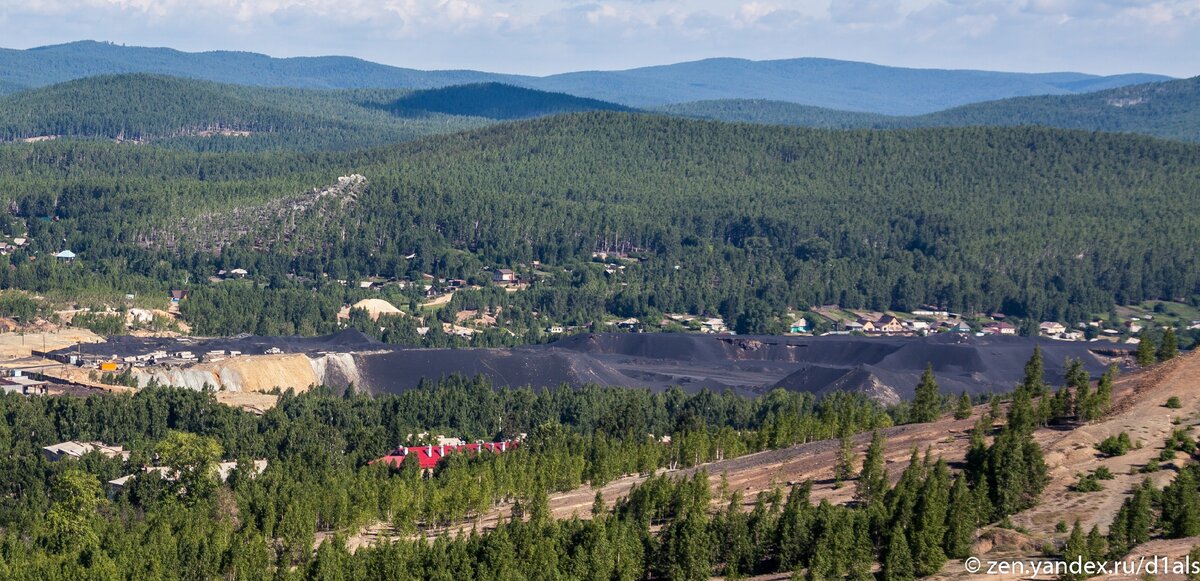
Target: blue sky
x,y
547,36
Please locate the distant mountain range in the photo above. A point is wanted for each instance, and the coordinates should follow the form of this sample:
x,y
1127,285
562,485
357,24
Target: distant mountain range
x,y
816,82
196,114
1168,109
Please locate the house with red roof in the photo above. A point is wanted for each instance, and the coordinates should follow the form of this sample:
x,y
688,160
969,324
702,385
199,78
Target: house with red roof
x,y
429,456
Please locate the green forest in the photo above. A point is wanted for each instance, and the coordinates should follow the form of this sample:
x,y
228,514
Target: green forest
x,y
737,221
57,521
1167,110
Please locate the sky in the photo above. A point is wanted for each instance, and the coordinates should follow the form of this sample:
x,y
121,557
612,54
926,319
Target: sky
x,y
550,36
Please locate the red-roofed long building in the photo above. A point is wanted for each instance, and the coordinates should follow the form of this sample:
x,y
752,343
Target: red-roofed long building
x,y
429,456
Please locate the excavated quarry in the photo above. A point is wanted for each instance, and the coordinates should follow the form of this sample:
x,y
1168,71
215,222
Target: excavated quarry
x,y
887,368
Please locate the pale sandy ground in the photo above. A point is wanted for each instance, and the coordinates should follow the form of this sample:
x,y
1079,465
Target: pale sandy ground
x,y
16,345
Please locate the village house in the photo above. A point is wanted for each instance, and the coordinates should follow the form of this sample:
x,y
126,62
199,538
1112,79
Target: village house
x,y
1052,328
889,324
630,324
504,275
1000,328
238,273
853,326
66,255
960,327
799,326
75,449
713,325
867,326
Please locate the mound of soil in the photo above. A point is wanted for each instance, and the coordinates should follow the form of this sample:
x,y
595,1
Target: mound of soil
x,y
887,368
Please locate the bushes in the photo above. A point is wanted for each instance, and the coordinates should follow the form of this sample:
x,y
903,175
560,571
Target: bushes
x,y
1088,483
1115,445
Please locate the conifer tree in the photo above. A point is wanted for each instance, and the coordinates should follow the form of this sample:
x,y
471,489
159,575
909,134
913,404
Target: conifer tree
x,y
844,469
1016,471
1097,546
927,404
1146,355
902,498
1076,549
862,554
1181,505
897,561
794,528
1035,371
1079,383
872,479
1194,557
1104,390
960,520
1169,347
687,548
963,411
929,530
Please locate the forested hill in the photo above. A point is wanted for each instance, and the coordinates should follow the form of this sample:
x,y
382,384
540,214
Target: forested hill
x,y
818,82
194,114
205,115
48,65
7,87
730,219
768,112
494,101
1168,109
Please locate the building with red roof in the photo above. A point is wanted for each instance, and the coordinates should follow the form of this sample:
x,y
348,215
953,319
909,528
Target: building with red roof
x,y
430,455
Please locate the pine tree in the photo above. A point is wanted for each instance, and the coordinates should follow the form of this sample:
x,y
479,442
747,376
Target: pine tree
x,y
927,404
978,450
687,548
1076,549
862,554
930,527
1181,505
1097,547
1079,384
1146,355
1141,515
598,506
872,479
897,561
960,520
1118,532
1016,471
1035,371
963,411
794,529
1194,559
1062,405
1104,390
1169,347
844,469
